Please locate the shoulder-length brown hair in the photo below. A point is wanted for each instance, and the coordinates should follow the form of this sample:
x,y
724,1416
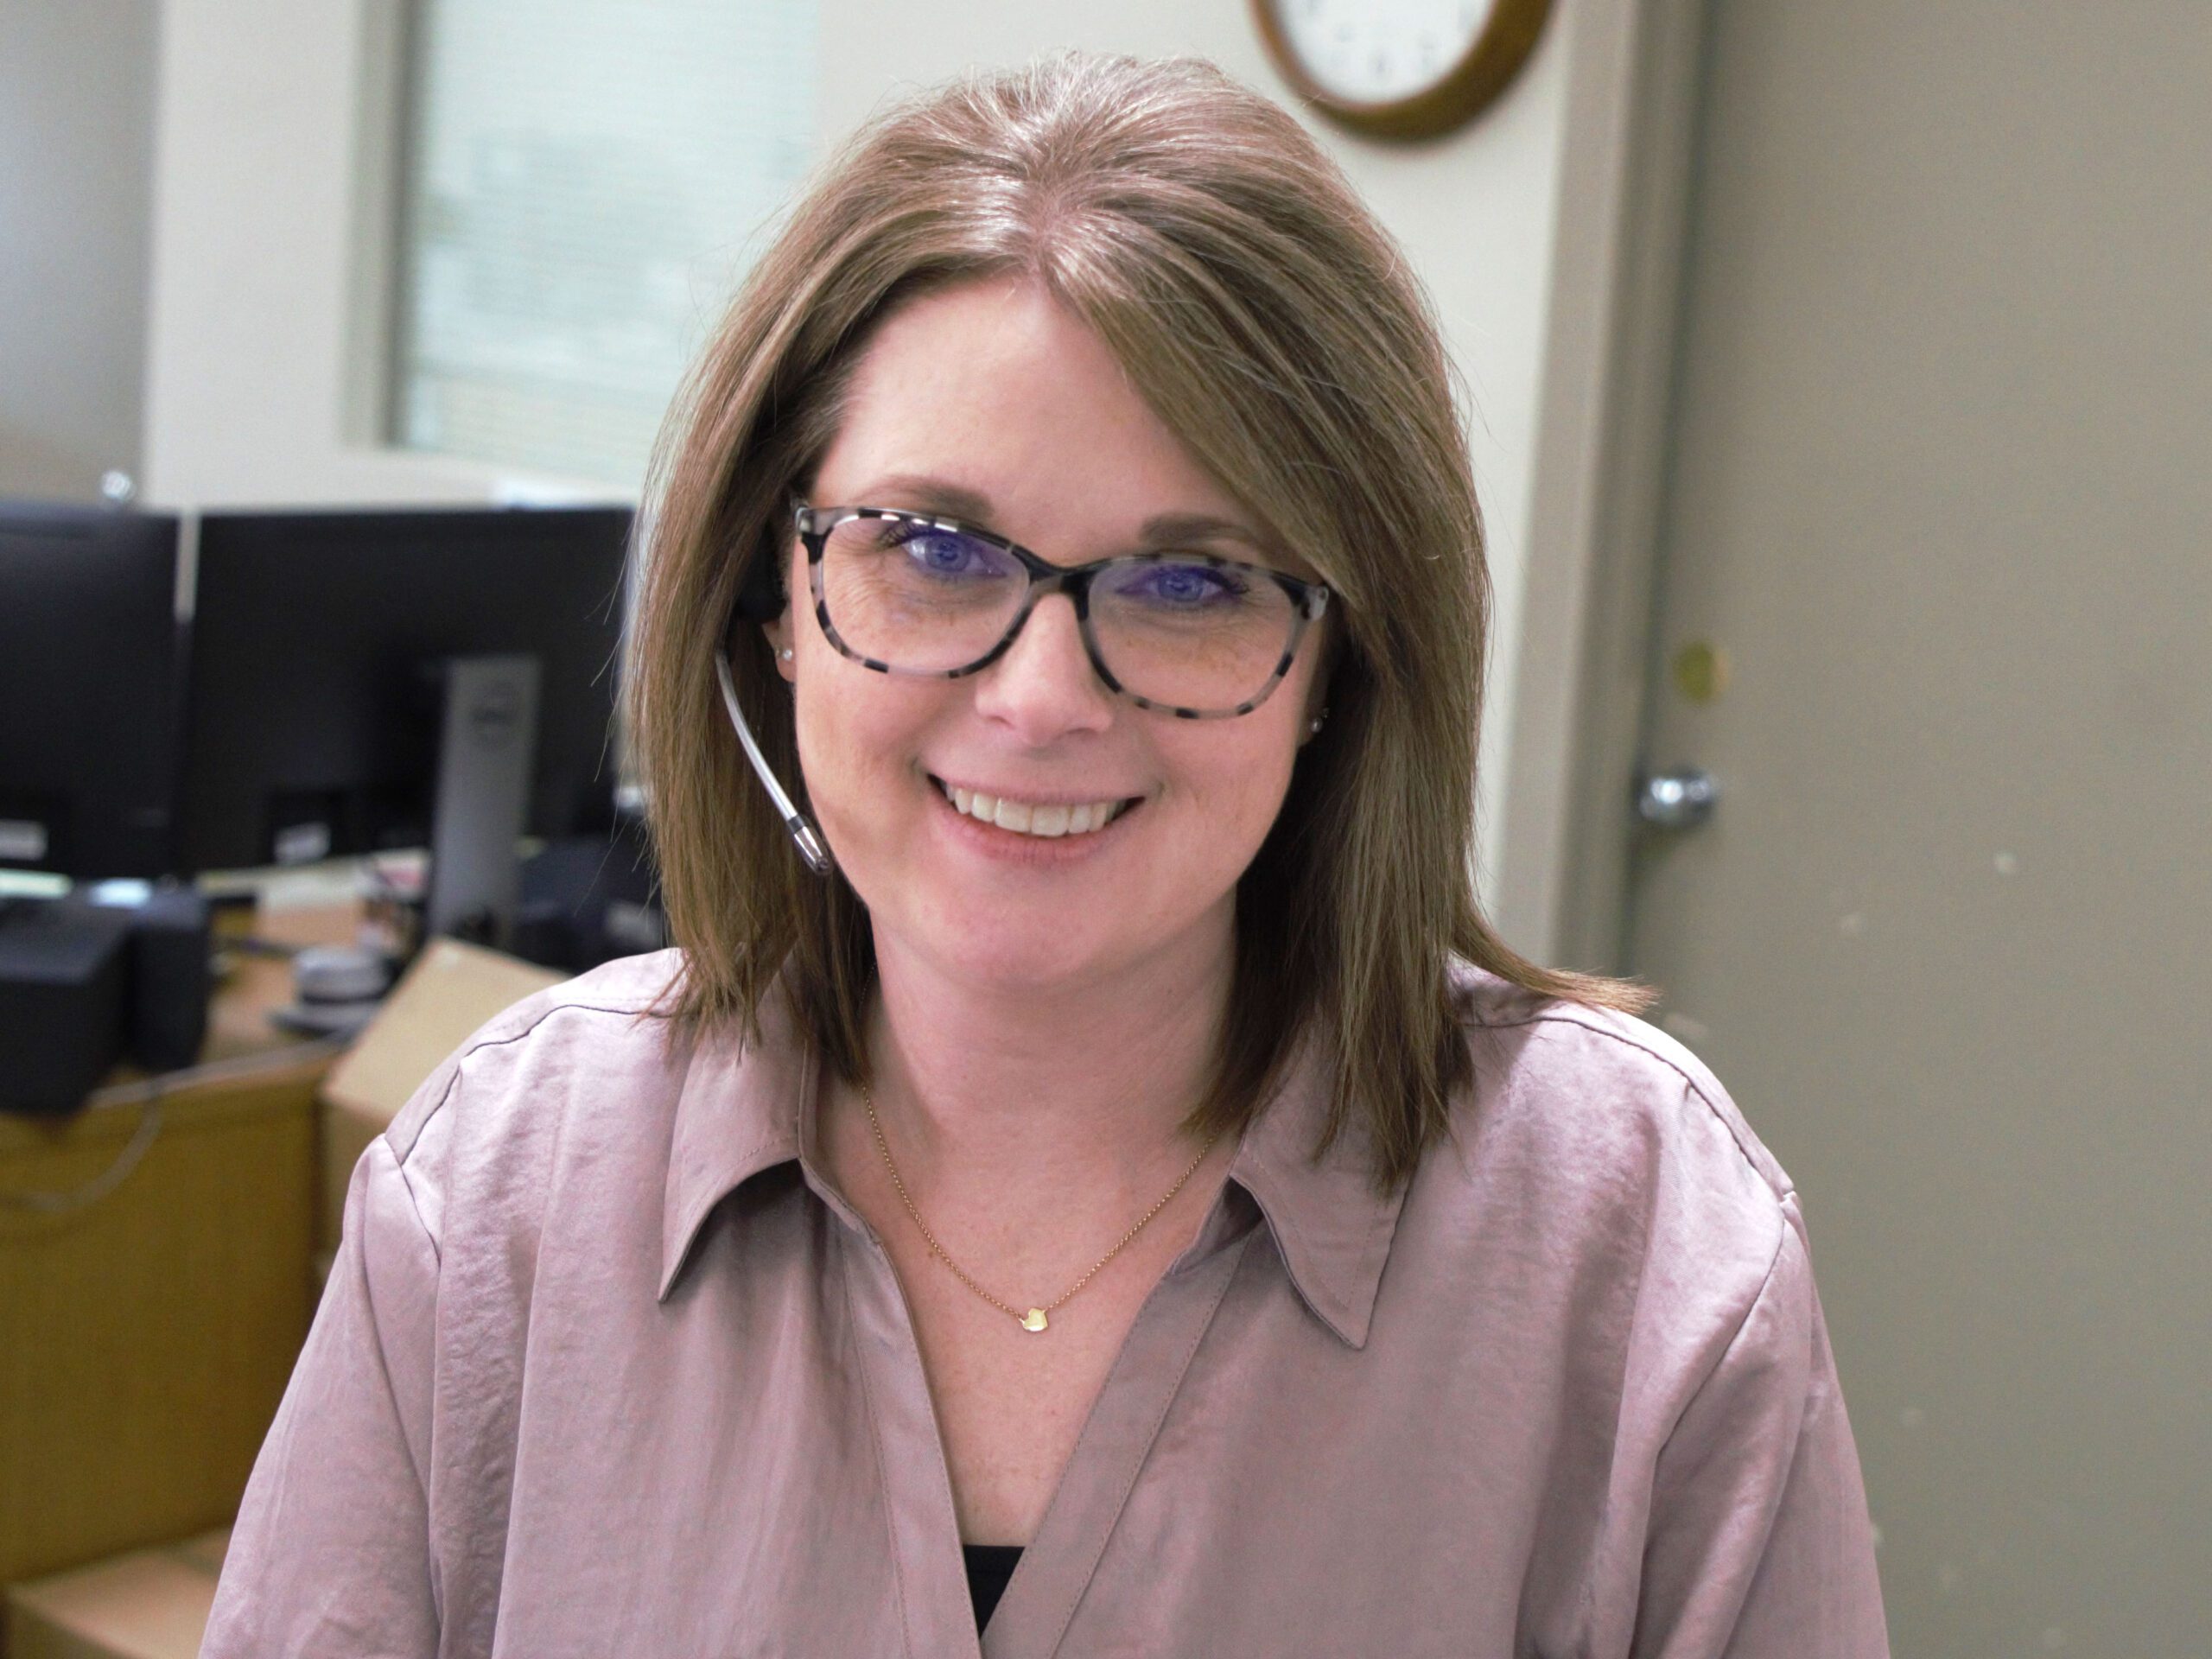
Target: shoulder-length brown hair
x,y
1275,328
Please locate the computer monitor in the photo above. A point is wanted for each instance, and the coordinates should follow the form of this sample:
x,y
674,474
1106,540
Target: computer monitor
x,y
338,659
88,689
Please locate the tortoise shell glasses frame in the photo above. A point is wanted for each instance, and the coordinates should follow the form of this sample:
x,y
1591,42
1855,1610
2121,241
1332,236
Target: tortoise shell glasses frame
x,y
814,525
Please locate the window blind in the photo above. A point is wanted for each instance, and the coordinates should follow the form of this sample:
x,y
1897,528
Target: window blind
x,y
585,182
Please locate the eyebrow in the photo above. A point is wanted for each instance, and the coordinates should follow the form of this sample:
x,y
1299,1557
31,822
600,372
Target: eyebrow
x,y
922,493
937,495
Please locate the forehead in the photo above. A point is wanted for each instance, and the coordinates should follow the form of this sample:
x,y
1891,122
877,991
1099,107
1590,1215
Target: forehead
x,y
997,389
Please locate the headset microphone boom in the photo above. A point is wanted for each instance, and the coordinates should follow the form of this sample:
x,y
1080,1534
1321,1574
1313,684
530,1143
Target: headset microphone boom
x,y
810,845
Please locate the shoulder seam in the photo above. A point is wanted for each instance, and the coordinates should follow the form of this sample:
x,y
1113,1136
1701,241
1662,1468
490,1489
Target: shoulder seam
x,y
400,1167
481,1043
1556,1014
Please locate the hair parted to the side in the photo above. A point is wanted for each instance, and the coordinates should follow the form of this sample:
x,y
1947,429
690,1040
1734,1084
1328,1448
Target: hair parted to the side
x,y
1274,327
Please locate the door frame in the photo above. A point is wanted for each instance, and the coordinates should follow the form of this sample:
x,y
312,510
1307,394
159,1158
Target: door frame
x,y
1633,93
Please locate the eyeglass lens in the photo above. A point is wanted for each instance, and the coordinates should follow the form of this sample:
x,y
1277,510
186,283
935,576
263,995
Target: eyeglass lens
x,y
1180,630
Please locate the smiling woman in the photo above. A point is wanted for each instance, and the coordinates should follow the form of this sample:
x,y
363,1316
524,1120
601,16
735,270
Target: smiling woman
x,y
1182,283
1120,1153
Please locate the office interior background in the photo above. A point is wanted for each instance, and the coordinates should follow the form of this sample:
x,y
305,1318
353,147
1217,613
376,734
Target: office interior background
x,y
1840,386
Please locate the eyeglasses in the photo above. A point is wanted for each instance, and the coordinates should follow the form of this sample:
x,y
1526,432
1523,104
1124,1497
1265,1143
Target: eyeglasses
x,y
1189,634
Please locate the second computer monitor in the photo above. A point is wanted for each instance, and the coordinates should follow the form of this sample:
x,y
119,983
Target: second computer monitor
x,y
320,648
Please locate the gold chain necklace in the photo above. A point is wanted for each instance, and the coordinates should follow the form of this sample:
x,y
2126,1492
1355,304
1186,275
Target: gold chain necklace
x,y
1034,1319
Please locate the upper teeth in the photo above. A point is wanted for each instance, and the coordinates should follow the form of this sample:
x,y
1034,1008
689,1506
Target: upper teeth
x,y
1034,818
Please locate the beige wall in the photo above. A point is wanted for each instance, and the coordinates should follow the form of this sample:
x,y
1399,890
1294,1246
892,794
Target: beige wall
x,y
272,200
76,173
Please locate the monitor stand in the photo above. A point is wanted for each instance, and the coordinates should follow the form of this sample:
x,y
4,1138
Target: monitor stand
x,y
487,748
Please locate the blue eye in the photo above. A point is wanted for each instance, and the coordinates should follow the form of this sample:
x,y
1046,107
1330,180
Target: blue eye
x,y
1180,586
947,555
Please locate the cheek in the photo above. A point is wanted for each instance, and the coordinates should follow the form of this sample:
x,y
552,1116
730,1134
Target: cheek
x,y
1239,786
857,732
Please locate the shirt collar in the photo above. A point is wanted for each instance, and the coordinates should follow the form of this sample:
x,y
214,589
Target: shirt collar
x,y
1333,1229
741,1110
744,1107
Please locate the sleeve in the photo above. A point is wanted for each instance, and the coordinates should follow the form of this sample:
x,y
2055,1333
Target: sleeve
x,y
331,1552
1759,1544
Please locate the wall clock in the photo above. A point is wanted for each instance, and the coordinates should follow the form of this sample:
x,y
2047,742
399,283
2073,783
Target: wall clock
x,y
1400,68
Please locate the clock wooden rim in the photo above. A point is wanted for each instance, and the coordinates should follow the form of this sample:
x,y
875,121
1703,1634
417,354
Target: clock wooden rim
x,y
1486,69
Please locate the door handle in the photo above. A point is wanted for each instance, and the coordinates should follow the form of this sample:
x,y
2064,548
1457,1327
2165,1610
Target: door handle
x,y
1681,797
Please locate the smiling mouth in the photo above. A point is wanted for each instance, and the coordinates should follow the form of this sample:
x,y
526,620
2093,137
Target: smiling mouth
x,y
1046,819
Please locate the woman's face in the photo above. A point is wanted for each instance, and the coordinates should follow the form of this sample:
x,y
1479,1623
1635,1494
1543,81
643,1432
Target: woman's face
x,y
991,404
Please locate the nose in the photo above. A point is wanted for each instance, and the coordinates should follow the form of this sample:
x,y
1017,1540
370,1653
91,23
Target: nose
x,y
1045,688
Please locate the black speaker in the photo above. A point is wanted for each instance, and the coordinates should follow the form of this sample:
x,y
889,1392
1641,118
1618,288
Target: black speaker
x,y
169,979
81,983
64,978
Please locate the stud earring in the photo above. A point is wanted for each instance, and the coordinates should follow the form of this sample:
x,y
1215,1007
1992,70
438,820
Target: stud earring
x,y
1315,728
784,654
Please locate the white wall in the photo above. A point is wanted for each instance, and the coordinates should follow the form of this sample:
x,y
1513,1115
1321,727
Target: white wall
x,y
76,172
272,198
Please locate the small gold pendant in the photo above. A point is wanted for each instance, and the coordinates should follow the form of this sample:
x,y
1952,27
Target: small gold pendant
x,y
1033,1319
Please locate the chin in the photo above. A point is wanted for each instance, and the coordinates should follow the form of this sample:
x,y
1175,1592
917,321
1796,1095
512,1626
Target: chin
x,y
1052,946
1035,960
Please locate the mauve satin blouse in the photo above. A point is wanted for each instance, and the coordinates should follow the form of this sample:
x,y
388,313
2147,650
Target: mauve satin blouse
x,y
607,1367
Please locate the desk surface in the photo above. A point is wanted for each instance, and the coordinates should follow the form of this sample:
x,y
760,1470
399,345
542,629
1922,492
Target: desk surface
x,y
256,986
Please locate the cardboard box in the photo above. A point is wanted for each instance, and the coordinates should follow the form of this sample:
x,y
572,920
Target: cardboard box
x,y
152,1603
451,990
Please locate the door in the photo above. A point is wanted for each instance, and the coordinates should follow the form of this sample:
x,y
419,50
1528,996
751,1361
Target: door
x,y
1934,611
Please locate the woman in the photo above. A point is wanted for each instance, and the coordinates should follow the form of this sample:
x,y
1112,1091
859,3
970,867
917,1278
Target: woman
x,y
1093,1126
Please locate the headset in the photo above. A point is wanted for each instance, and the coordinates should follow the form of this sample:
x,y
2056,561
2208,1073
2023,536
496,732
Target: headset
x,y
761,600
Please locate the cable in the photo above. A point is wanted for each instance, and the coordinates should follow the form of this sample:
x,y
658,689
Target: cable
x,y
147,1097
83,1198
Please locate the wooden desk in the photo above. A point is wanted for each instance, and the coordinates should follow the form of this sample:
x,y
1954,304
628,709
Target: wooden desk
x,y
148,1328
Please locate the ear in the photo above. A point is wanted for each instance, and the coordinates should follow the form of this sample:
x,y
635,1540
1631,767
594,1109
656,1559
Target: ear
x,y
779,634
762,599
1317,688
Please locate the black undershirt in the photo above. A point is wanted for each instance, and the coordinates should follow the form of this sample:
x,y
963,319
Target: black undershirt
x,y
989,1566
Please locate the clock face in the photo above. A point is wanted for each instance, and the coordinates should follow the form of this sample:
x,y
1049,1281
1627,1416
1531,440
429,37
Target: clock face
x,y
1377,51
